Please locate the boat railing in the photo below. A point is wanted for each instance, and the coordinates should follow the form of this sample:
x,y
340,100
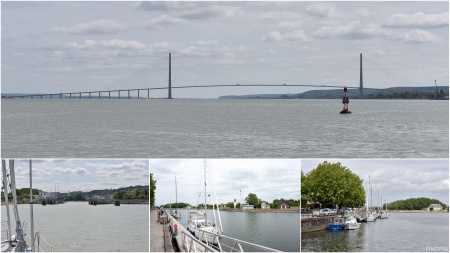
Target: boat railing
x,y
38,237
6,232
235,245
192,244
37,242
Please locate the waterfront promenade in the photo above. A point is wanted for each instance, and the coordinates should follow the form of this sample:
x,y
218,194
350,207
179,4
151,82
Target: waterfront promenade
x,y
157,241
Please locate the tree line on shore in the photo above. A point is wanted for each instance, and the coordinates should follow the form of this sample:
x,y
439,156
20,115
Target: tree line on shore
x,y
413,204
251,199
131,192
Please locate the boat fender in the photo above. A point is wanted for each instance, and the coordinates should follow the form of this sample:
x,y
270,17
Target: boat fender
x,y
214,224
175,230
198,225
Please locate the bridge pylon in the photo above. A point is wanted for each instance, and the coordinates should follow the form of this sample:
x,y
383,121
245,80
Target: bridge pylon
x,y
170,78
361,95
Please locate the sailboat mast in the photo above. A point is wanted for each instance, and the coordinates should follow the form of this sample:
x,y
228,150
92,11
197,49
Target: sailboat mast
x,y
5,192
31,209
204,167
176,194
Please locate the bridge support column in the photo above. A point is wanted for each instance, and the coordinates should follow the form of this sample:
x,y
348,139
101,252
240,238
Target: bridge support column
x,y
138,94
148,93
80,95
70,95
60,95
119,94
170,76
361,89
41,96
128,94
99,95
109,94
89,95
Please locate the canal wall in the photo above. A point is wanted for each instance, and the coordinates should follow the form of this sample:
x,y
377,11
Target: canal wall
x,y
315,224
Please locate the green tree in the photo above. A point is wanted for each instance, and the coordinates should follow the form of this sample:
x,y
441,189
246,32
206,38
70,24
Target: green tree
x,y
230,204
251,199
152,189
238,205
79,196
333,184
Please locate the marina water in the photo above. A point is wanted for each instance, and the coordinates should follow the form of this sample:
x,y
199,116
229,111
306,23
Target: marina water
x,y
188,128
279,231
78,226
401,232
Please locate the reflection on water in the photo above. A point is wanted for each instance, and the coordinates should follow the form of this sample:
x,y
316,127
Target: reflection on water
x,y
401,232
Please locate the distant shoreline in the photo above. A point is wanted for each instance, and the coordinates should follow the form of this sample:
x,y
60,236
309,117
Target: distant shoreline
x,y
415,211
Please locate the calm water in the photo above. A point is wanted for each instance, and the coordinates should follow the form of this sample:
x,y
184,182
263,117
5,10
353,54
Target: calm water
x,y
82,227
280,231
401,232
192,128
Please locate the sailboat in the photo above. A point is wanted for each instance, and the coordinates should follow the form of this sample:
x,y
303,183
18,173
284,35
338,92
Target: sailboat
x,y
370,215
198,220
384,213
176,214
16,242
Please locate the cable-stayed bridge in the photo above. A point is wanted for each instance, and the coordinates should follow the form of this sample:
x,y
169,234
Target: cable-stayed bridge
x,y
183,74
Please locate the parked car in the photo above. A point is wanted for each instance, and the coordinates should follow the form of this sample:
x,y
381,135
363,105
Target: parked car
x,y
316,213
326,212
322,213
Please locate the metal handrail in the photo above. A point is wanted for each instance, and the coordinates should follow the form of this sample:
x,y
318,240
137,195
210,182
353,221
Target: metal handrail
x,y
238,243
190,243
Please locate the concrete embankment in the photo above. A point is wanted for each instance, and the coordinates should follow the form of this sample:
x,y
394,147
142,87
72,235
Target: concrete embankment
x,y
315,224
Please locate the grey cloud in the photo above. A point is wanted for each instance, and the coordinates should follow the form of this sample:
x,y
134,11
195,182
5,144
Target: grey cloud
x,y
77,171
418,36
322,10
103,26
418,20
294,36
159,22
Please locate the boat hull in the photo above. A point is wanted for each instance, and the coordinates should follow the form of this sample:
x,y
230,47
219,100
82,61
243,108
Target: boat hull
x,y
335,226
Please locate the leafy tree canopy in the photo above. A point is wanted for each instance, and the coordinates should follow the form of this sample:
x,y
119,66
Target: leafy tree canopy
x,y
152,189
251,199
332,184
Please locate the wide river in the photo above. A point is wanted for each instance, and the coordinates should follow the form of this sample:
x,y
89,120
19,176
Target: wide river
x,y
196,128
78,226
279,231
401,232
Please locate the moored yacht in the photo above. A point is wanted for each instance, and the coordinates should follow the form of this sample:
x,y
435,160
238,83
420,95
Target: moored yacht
x,y
198,222
351,223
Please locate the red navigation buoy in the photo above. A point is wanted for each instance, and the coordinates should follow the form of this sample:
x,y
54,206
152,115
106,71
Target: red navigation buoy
x,y
345,101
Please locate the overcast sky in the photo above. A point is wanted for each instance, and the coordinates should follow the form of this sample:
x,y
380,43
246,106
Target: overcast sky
x,y
83,46
268,179
81,175
402,179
